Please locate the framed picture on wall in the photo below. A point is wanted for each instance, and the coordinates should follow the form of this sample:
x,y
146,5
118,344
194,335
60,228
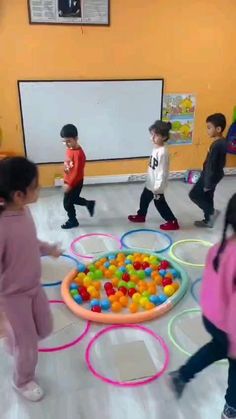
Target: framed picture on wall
x,y
69,12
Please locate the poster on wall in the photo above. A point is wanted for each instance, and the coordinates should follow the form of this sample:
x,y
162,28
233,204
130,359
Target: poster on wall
x,y
69,12
179,109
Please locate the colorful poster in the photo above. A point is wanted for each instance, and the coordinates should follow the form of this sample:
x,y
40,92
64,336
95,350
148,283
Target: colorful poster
x,y
179,109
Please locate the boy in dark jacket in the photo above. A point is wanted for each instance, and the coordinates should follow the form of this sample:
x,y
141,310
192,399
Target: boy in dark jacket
x,y
202,193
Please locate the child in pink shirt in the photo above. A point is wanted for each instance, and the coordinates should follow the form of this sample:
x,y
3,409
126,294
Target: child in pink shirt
x,y
218,302
23,300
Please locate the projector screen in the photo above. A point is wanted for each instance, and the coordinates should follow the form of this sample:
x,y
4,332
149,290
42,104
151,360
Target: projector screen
x,y
112,117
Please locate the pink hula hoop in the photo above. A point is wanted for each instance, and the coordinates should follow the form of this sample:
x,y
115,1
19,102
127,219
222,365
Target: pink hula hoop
x,y
70,344
119,383
84,236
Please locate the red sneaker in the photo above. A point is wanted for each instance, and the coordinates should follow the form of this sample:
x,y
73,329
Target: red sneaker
x,y
137,218
170,226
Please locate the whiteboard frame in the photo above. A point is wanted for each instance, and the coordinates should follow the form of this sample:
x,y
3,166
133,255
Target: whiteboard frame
x,y
84,80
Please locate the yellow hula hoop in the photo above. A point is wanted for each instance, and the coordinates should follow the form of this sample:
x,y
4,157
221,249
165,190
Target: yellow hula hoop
x,y
183,262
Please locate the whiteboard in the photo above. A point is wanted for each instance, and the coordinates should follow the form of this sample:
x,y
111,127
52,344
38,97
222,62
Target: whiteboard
x,y
112,117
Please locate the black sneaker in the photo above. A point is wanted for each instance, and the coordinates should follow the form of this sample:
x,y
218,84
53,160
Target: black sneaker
x,y
70,224
176,383
229,412
91,207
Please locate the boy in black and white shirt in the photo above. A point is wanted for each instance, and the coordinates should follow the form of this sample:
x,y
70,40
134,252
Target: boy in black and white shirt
x,y
157,178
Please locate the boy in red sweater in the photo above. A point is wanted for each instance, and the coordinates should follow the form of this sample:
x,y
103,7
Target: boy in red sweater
x,y
74,176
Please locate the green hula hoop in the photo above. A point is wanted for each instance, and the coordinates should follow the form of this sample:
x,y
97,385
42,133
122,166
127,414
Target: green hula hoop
x,y
183,262
171,335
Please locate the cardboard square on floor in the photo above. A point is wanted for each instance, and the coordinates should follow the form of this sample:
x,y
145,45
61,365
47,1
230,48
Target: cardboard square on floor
x,y
62,318
94,245
133,361
144,241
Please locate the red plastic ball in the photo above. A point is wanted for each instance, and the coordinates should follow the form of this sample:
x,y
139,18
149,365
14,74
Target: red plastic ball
x,y
85,296
137,266
123,290
110,291
166,281
145,265
82,289
96,309
164,264
131,292
126,277
86,271
108,285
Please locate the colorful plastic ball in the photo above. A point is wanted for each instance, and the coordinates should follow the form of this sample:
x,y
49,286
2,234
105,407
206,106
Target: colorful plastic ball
x,y
133,308
108,274
122,284
175,285
112,298
94,302
130,268
136,297
116,307
128,262
92,267
112,268
131,292
164,264
85,296
162,298
130,257
111,257
74,292
175,273
146,294
126,277
143,301
162,272
82,289
98,274
154,299
152,288
124,301
149,305
108,285
96,309
81,275
123,290
81,267
131,285
169,290
148,271
91,275
78,299
166,281
119,294
95,294
115,282
145,265
118,274
97,285
91,289
110,292
73,286
106,265
141,274
122,269
105,304
137,266
87,281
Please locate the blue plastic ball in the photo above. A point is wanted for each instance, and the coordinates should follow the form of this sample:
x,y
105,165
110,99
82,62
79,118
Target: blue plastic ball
x,y
78,299
128,262
162,298
94,302
105,304
162,272
111,257
175,273
148,271
106,264
73,286
81,267
154,299
122,269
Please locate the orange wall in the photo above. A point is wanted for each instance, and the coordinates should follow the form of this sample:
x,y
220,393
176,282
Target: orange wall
x,y
189,43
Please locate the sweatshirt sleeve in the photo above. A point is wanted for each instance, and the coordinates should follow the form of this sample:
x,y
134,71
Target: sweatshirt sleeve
x,y
161,173
211,168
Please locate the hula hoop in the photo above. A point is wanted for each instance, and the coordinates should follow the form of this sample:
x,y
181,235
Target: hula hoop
x,y
129,233
69,344
193,288
55,284
183,262
129,318
84,236
120,383
171,335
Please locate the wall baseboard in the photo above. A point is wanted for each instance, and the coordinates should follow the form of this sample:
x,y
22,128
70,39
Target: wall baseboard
x,y
127,178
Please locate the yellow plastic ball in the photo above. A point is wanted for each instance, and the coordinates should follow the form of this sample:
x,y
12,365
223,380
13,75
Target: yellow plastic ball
x,y
136,297
87,281
143,301
169,290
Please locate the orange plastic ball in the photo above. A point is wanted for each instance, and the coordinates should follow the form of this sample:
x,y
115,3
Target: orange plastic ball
x,y
133,308
107,274
175,285
115,282
119,294
149,306
116,307
152,289
97,285
124,301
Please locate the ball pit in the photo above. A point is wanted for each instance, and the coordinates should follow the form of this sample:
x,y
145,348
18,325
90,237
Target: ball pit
x,y
117,288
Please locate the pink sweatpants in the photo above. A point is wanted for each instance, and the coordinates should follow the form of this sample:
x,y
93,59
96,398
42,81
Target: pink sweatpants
x,y
29,320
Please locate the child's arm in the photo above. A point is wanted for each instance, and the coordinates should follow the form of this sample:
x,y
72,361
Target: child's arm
x,y
161,174
211,169
79,160
47,249
230,277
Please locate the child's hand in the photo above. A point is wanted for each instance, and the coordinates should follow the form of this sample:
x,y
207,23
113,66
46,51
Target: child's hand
x,y
66,188
56,251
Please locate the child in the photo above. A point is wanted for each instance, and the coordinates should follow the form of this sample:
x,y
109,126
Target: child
x,y
218,302
202,193
157,178
23,300
74,176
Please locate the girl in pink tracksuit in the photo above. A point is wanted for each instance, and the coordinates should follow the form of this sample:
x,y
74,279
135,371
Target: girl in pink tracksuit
x,y
22,298
218,302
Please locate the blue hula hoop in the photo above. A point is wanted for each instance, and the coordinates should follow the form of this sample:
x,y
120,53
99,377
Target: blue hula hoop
x,y
193,289
149,230
56,284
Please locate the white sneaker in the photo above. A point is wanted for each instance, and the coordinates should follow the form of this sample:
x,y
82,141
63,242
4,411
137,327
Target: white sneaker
x,y
30,391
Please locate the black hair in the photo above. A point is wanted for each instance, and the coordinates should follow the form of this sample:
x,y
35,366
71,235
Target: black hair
x,y
218,120
230,221
16,174
161,128
69,131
